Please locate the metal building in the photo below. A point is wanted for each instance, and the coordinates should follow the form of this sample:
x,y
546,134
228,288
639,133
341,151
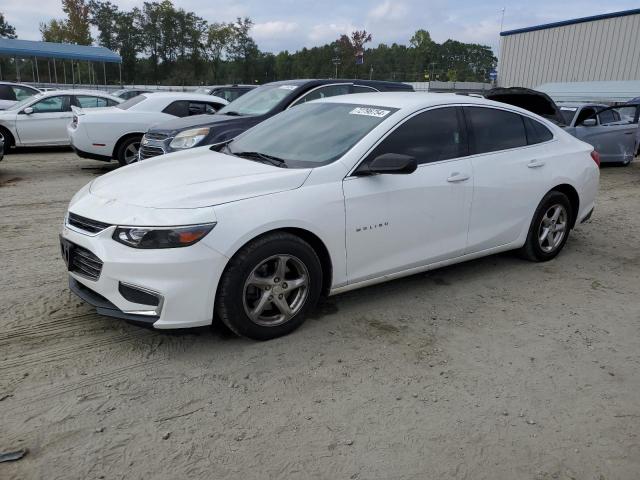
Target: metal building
x,y
599,48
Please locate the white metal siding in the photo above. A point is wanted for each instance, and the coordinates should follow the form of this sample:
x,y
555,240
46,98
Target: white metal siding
x,y
599,50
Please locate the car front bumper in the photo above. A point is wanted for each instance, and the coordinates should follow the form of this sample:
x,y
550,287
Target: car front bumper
x,y
184,280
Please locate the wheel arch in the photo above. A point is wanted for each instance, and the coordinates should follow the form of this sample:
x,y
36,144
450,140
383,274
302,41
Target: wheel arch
x,y
10,140
574,199
123,138
313,240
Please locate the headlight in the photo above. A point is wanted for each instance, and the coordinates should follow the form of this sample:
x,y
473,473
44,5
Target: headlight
x,y
158,237
189,138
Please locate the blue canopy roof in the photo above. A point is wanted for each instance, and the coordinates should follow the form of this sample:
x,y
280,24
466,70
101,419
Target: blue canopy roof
x,y
29,48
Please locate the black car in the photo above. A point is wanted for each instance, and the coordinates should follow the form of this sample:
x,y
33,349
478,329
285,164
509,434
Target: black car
x,y
249,110
228,92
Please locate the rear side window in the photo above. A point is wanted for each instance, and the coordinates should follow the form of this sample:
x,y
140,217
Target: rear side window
x,y
85,101
428,137
494,130
536,132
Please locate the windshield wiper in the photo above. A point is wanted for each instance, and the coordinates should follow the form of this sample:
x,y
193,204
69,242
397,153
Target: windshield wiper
x,y
278,162
233,113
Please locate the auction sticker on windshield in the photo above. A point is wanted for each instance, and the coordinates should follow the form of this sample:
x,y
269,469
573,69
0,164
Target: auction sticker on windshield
x,y
370,112
288,87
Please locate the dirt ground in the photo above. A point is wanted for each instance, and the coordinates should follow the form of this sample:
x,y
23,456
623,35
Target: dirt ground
x,y
493,369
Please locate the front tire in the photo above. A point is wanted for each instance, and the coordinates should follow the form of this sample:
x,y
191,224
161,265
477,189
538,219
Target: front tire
x,y
269,287
128,151
549,228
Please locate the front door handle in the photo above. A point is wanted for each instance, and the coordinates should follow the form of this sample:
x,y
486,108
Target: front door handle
x,y
456,177
535,164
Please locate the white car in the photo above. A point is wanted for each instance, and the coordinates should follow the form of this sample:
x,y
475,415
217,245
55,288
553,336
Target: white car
x,y
326,197
116,132
12,93
42,119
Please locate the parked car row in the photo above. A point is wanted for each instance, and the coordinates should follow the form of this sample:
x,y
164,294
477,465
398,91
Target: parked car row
x,y
115,133
613,131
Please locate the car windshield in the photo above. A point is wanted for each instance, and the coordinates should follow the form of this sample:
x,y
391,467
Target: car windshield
x,y
22,103
309,135
568,113
258,101
131,102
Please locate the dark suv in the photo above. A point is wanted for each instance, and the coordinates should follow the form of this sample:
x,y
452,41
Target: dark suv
x,y
249,110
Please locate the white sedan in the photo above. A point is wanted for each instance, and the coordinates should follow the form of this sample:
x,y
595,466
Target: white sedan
x,y
329,196
42,119
116,132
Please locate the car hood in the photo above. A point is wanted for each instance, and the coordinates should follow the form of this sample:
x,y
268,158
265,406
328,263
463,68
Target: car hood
x,y
174,126
193,179
532,100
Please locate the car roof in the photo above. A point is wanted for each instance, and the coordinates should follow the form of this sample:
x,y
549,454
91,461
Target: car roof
x,y
580,104
410,100
180,95
326,81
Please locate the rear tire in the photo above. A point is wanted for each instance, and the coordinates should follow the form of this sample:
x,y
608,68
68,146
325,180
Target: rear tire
x,y
8,139
269,287
549,228
128,151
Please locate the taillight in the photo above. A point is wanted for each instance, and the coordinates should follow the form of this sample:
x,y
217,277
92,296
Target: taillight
x,y
596,157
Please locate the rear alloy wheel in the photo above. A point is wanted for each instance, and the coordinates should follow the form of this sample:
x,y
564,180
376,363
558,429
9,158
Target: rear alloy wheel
x,y
549,229
269,287
128,151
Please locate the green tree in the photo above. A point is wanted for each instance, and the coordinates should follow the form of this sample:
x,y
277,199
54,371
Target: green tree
x,y
6,30
73,29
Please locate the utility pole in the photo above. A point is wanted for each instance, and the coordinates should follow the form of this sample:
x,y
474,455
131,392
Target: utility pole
x,y
336,59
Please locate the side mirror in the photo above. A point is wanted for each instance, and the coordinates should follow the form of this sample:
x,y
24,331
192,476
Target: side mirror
x,y
589,122
390,163
28,110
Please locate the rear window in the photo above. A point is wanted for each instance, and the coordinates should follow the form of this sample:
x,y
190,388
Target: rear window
x,y
495,130
131,102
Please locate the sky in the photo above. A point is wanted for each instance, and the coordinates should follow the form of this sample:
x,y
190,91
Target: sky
x,y
293,24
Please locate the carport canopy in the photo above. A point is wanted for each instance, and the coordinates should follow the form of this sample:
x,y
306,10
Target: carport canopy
x,y
67,51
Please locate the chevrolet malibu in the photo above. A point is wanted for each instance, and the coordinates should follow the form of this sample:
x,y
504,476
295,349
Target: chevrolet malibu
x,y
330,196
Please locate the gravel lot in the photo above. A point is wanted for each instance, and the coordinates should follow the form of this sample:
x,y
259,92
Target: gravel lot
x,y
494,369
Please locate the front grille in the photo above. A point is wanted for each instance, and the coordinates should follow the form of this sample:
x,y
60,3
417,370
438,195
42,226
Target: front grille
x,y
148,151
156,135
86,224
85,263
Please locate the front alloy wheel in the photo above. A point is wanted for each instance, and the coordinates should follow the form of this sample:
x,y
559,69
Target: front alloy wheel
x,y
269,286
276,290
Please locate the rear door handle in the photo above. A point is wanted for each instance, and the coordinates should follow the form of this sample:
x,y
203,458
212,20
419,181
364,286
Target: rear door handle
x,y
535,164
456,177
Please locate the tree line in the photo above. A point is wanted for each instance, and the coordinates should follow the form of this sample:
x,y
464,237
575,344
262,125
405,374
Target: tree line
x,y
162,44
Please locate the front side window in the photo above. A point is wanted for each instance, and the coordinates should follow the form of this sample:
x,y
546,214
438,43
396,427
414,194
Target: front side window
x,y
22,93
200,108
323,92
85,101
310,135
52,105
430,136
362,89
177,109
608,116
494,130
